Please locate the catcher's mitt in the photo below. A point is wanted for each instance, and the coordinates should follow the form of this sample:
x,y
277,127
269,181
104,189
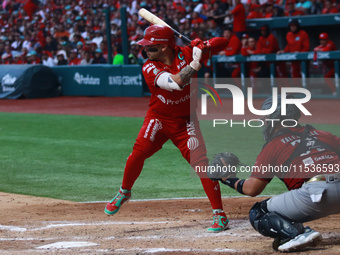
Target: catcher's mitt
x,y
219,170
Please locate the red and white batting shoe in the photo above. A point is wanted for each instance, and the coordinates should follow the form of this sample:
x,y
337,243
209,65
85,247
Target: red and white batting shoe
x,y
114,205
220,221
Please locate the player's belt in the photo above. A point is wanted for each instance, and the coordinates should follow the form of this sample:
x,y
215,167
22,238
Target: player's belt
x,y
317,178
329,178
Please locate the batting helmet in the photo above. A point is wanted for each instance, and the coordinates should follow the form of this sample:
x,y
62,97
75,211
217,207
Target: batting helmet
x,y
292,112
158,34
323,36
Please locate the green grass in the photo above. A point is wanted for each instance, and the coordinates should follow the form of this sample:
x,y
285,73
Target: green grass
x,y
82,158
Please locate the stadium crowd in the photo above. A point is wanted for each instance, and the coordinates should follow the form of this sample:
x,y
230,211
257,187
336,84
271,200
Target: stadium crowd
x,y
73,32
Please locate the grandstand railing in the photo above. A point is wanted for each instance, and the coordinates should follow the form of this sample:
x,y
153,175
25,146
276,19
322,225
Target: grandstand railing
x,y
304,57
305,21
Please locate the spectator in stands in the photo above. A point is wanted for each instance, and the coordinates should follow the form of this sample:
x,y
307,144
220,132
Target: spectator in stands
x,y
269,9
27,43
32,58
297,41
213,29
7,58
316,7
61,58
51,45
18,60
329,7
17,43
79,46
47,58
73,58
328,65
61,32
97,38
118,58
239,22
218,11
291,11
134,51
86,57
98,57
255,12
304,6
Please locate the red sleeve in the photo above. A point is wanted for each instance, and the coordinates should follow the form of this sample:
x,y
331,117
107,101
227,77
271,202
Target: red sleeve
x,y
217,44
151,72
236,9
329,47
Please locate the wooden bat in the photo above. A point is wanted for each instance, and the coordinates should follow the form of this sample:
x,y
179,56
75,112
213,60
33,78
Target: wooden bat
x,y
152,18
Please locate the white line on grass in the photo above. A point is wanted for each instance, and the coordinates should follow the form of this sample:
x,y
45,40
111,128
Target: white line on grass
x,y
167,199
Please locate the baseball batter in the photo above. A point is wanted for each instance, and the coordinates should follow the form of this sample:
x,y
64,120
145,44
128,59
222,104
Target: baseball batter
x,y
309,167
167,72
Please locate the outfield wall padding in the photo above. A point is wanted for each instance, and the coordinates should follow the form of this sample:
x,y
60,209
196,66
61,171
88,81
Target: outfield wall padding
x,y
101,80
28,81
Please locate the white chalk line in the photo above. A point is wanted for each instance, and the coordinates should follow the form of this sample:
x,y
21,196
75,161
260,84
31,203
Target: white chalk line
x,y
72,224
66,245
158,250
13,228
167,199
26,239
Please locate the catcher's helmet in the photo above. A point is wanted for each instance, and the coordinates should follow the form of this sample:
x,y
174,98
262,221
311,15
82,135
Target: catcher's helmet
x,y
292,112
158,34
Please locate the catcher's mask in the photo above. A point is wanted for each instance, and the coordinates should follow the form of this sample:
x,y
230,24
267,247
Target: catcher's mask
x,y
292,112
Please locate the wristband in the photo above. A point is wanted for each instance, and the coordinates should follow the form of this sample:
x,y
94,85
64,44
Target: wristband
x,y
195,65
239,187
230,182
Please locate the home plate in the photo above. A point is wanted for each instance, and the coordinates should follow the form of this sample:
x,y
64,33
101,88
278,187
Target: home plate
x,y
66,245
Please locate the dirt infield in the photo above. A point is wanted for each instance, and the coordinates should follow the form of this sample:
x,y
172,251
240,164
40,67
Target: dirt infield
x,y
30,225
34,225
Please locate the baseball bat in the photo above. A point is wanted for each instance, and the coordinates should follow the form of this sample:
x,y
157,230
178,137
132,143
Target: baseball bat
x,y
152,18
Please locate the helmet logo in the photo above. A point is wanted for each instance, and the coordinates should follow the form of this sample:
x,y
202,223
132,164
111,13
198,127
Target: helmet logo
x,y
152,39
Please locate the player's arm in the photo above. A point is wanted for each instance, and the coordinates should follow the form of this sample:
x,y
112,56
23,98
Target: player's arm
x,y
183,77
199,48
252,186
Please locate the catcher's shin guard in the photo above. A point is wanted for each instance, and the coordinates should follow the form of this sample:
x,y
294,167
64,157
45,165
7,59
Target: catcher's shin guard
x,y
220,221
114,205
273,224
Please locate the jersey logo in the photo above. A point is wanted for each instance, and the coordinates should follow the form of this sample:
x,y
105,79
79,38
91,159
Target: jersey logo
x,y
297,38
180,56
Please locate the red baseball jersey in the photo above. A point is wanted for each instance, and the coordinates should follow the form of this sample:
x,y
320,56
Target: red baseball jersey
x,y
239,13
233,47
167,103
267,45
329,46
297,42
305,166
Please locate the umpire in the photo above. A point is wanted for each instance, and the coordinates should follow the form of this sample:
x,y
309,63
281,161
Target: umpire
x,y
310,159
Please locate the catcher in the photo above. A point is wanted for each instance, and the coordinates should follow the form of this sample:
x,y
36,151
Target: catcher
x,y
314,192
